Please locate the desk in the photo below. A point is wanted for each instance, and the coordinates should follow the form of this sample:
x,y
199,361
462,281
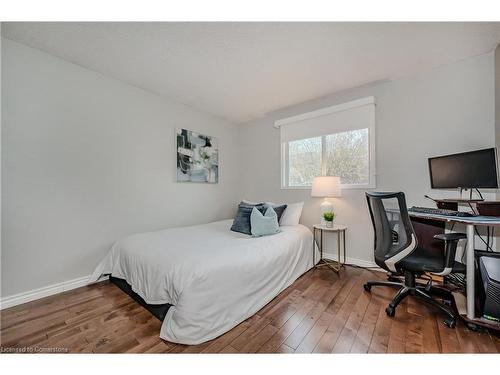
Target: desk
x,y
470,223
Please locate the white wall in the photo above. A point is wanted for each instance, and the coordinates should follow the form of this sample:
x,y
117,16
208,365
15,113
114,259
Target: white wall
x,y
1,117
497,101
86,160
450,109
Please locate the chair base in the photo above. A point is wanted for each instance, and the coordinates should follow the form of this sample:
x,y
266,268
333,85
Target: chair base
x,y
410,288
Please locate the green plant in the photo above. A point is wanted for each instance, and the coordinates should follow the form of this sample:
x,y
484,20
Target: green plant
x,y
328,216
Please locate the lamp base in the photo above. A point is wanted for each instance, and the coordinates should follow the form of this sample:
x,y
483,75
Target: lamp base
x,y
326,207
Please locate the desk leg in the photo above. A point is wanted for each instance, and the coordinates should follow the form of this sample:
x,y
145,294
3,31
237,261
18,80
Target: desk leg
x,y
470,273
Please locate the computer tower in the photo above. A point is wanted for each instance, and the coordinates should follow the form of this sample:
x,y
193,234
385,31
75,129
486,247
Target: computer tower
x,y
488,264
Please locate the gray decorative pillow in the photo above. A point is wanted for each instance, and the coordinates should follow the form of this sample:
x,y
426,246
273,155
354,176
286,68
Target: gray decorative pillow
x,y
264,225
278,209
241,221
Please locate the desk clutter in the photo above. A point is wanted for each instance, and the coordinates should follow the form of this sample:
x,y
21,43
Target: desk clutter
x,y
471,278
478,206
486,263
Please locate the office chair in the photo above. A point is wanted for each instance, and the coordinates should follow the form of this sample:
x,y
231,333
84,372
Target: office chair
x,y
397,251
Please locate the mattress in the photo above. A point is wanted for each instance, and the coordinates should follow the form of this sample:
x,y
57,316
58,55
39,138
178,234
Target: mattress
x,y
213,278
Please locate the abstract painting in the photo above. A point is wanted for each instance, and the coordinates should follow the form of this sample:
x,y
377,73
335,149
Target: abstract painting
x,y
197,157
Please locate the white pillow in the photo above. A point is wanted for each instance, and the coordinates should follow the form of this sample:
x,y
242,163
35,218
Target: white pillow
x,y
250,202
292,213
255,203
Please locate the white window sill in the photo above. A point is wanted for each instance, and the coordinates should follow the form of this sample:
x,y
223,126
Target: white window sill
x,y
343,187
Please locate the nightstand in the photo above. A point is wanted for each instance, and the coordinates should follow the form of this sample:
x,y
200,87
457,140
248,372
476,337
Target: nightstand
x,y
340,231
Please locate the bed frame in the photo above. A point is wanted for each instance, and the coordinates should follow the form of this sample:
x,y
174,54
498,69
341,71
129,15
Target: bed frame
x,y
157,310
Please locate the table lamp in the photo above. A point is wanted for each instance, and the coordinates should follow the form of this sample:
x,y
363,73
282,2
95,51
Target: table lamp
x,y
326,187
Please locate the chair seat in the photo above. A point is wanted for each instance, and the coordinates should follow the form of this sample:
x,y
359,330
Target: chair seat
x,y
425,261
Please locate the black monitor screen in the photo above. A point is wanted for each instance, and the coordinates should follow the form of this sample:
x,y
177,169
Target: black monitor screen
x,y
475,169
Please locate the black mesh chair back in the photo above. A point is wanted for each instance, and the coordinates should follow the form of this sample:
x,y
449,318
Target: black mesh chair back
x,y
394,235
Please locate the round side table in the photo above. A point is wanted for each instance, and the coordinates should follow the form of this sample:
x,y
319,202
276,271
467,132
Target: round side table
x,y
340,231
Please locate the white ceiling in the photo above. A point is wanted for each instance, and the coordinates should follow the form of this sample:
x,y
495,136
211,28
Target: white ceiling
x,y
241,71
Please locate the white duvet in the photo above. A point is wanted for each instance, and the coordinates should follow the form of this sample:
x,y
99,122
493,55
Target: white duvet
x,y
213,277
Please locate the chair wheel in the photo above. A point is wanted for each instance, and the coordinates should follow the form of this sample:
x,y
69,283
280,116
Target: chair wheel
x,y
450,322
367,287
390,311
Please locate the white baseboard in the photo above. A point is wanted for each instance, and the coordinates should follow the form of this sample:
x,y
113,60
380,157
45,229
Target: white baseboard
x,y
355,261
31,295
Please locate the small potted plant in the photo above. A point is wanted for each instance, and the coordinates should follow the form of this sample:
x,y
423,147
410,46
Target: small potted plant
x,y
328,216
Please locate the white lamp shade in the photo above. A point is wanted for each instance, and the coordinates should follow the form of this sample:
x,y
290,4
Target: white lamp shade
x,y
326,187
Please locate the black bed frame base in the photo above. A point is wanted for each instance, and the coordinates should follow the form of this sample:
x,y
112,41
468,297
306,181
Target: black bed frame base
x,y
157,310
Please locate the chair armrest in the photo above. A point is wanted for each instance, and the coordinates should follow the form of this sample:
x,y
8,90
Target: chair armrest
x,y
451,240
450,236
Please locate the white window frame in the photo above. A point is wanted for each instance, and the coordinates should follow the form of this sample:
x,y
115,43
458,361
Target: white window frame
x,y
322,112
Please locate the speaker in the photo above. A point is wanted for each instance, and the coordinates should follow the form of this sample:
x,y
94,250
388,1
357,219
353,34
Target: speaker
x,y
489,273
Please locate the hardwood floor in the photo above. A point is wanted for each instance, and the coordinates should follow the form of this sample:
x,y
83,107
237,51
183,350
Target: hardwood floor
x,y
320,313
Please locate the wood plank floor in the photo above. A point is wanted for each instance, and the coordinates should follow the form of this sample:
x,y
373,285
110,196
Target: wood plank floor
x,y
320,313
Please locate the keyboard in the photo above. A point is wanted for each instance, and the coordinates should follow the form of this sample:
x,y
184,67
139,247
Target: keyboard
x,y
440,211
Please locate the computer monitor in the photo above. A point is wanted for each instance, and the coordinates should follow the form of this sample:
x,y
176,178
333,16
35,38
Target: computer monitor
x,y
473,169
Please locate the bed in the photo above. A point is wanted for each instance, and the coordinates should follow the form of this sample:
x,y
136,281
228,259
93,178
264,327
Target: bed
x,y
213,278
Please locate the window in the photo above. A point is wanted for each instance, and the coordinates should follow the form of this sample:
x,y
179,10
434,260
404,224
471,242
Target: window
x,y
334,141
304,161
